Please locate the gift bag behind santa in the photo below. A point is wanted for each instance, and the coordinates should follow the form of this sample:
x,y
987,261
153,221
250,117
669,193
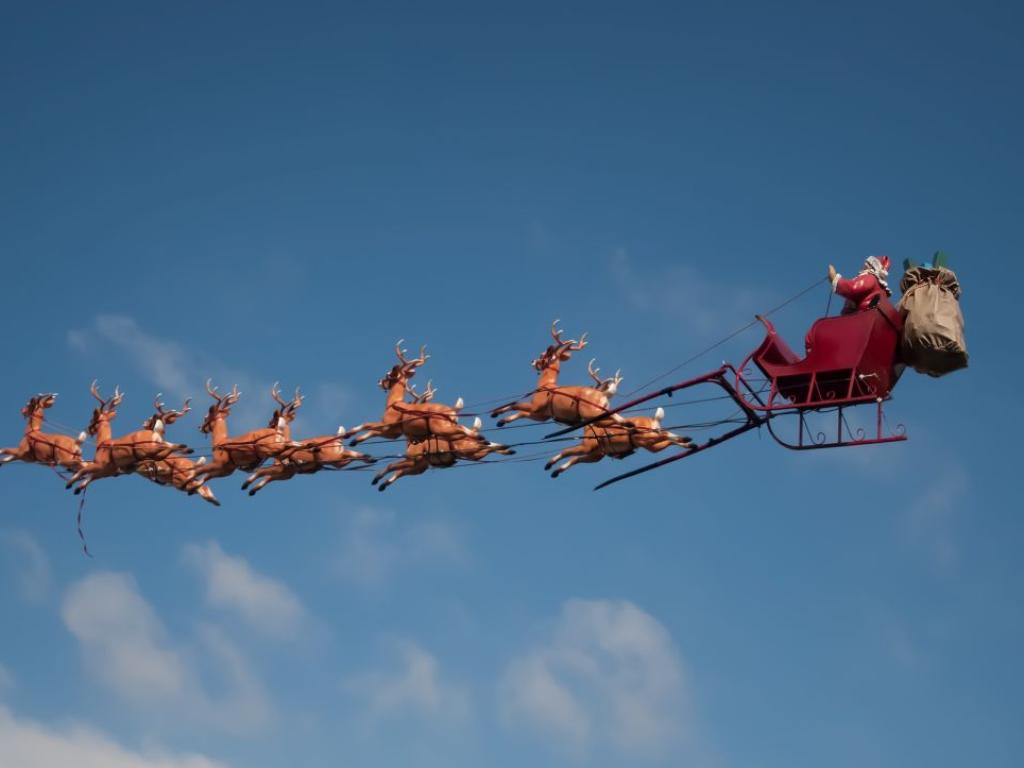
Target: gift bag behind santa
x,y
933,325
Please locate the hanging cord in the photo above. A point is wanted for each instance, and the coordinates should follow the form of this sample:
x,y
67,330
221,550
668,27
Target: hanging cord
x,y
81,533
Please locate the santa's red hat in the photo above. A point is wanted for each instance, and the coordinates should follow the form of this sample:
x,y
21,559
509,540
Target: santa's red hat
x,y
878,264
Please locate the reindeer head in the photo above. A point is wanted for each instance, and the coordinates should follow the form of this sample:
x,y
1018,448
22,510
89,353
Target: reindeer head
x,y
107,410
610,385
560,351
38,403
221,408
285,413
405,369
648,431
162,418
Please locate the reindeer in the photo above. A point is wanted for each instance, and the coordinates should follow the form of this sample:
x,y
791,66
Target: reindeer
x,y
440,453
124,454
38,447
416,420
175,471
316,453
245,452
606,438
566,405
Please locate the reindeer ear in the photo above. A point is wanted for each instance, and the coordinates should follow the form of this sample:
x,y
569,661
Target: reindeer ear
x,y
341,429
659,414
477,424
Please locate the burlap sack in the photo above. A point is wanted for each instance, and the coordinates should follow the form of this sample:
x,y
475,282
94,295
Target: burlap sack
x,y
933,325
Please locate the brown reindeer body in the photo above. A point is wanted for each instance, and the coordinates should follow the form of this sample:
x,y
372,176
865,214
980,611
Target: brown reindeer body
x,y
415,420
176,472
38,447
566,405
122,455
439,453
316,453
247,451
618,441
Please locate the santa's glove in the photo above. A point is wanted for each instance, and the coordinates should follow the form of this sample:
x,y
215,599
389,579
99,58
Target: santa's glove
x,y
833,276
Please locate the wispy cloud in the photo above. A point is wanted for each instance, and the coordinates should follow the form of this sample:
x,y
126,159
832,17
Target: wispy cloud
x,y
231,584
413,685
683,293
376,544
126,647
930,518
28,743
164,362
179,370
29,564
609,676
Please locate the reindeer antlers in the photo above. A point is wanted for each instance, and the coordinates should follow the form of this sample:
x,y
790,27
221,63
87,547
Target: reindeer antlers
x,y
223,400
410,364
571,344
608,385
171,415
106,405
296,400
426,397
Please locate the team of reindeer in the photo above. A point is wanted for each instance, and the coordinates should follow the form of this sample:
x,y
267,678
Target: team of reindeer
x,y
433,436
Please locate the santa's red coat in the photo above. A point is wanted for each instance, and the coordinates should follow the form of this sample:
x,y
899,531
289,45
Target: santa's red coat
x,y
859,291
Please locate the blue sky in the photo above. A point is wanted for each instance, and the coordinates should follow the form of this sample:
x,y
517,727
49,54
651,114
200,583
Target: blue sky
x,y
260,194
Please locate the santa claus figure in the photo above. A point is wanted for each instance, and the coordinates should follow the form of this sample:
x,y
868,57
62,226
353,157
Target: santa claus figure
x,y
864,290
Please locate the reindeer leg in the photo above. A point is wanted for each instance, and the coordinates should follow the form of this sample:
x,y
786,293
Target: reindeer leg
x,y
556,458
254,477
79,474
392,467
583,458
262,484
519,414
207,495
8,454
373,429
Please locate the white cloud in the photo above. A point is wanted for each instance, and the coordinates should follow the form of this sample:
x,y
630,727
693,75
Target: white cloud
x,y
930,518
682,292
125,646
609,675
232,584
164,362
179,371
30,563
415,686
376,544
122,638
29,744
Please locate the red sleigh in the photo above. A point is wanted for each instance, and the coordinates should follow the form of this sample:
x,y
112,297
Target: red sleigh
x,y
852,361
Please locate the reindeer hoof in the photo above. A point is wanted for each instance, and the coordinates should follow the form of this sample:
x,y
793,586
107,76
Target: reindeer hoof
x,y
382,488
252,492
554,474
